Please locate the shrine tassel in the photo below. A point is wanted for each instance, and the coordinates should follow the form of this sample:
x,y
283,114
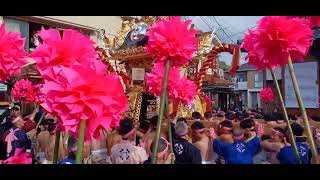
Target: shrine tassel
x,y
303,111
283,108
161,111
56,148
80,142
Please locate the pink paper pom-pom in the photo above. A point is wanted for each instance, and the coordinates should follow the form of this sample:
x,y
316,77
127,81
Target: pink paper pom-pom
x,y
172,39
23,90
12,53
312,20
179,89
184,91
267,95
84,96
76,85
19,158
276,39
56,53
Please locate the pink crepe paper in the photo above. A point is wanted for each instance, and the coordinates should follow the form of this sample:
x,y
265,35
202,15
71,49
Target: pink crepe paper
x,y
12,53
275,39
172,39
19,158
56,53
180,89
25,91
184,90
267,95
87,94
313,20
76,85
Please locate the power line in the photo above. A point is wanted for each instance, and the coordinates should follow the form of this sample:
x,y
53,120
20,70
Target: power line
x,y
213,30
243,31
211,20
223,29
206,23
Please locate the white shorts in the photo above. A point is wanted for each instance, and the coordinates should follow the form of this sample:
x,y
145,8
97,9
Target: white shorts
x,y
99,156
108,160
41,157
47,162
209,162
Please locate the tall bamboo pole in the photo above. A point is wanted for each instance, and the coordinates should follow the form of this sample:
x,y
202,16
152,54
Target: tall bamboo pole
x,y
56,148
303,111
80,143
161,110
291,136
39,122
169,124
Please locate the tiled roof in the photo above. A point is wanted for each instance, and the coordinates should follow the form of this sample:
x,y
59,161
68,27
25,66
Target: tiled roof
x,y
245,67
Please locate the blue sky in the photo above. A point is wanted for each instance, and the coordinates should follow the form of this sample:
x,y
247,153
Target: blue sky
x,y
228,28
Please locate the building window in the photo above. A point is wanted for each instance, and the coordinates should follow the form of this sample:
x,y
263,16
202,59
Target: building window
x,y
258,80
29,31
18,26
34,39
241,77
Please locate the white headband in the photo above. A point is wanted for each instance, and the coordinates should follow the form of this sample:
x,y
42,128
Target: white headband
x,y
15,120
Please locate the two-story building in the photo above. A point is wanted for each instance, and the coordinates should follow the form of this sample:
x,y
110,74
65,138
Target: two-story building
x,y
93,26
248,83
308,76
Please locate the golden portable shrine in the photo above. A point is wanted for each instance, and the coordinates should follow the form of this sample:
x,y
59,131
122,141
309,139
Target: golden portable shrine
x,y
126,54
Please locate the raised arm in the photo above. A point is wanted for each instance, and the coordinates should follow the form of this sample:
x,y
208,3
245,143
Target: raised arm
x,y
260,130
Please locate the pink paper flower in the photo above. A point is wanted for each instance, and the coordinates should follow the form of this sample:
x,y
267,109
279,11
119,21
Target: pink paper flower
x,y
12,53
184,91
19,158
87,94
275,39
267,95
40,93
172,39
155,78
56,53
25,91
60,126
76,85
313,20
179,89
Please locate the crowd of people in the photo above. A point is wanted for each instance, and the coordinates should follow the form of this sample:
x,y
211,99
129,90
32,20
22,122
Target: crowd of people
x,y
236,138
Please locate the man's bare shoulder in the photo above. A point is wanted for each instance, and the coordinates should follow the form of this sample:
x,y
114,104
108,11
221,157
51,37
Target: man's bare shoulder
x,y
43,134
274,146
227,138
200,145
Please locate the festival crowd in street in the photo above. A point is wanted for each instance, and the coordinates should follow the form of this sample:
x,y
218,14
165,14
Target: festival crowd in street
x,y
237,139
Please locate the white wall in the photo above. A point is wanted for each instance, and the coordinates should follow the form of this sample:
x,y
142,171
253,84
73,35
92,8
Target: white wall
x,y
110,23
277,71
307,77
